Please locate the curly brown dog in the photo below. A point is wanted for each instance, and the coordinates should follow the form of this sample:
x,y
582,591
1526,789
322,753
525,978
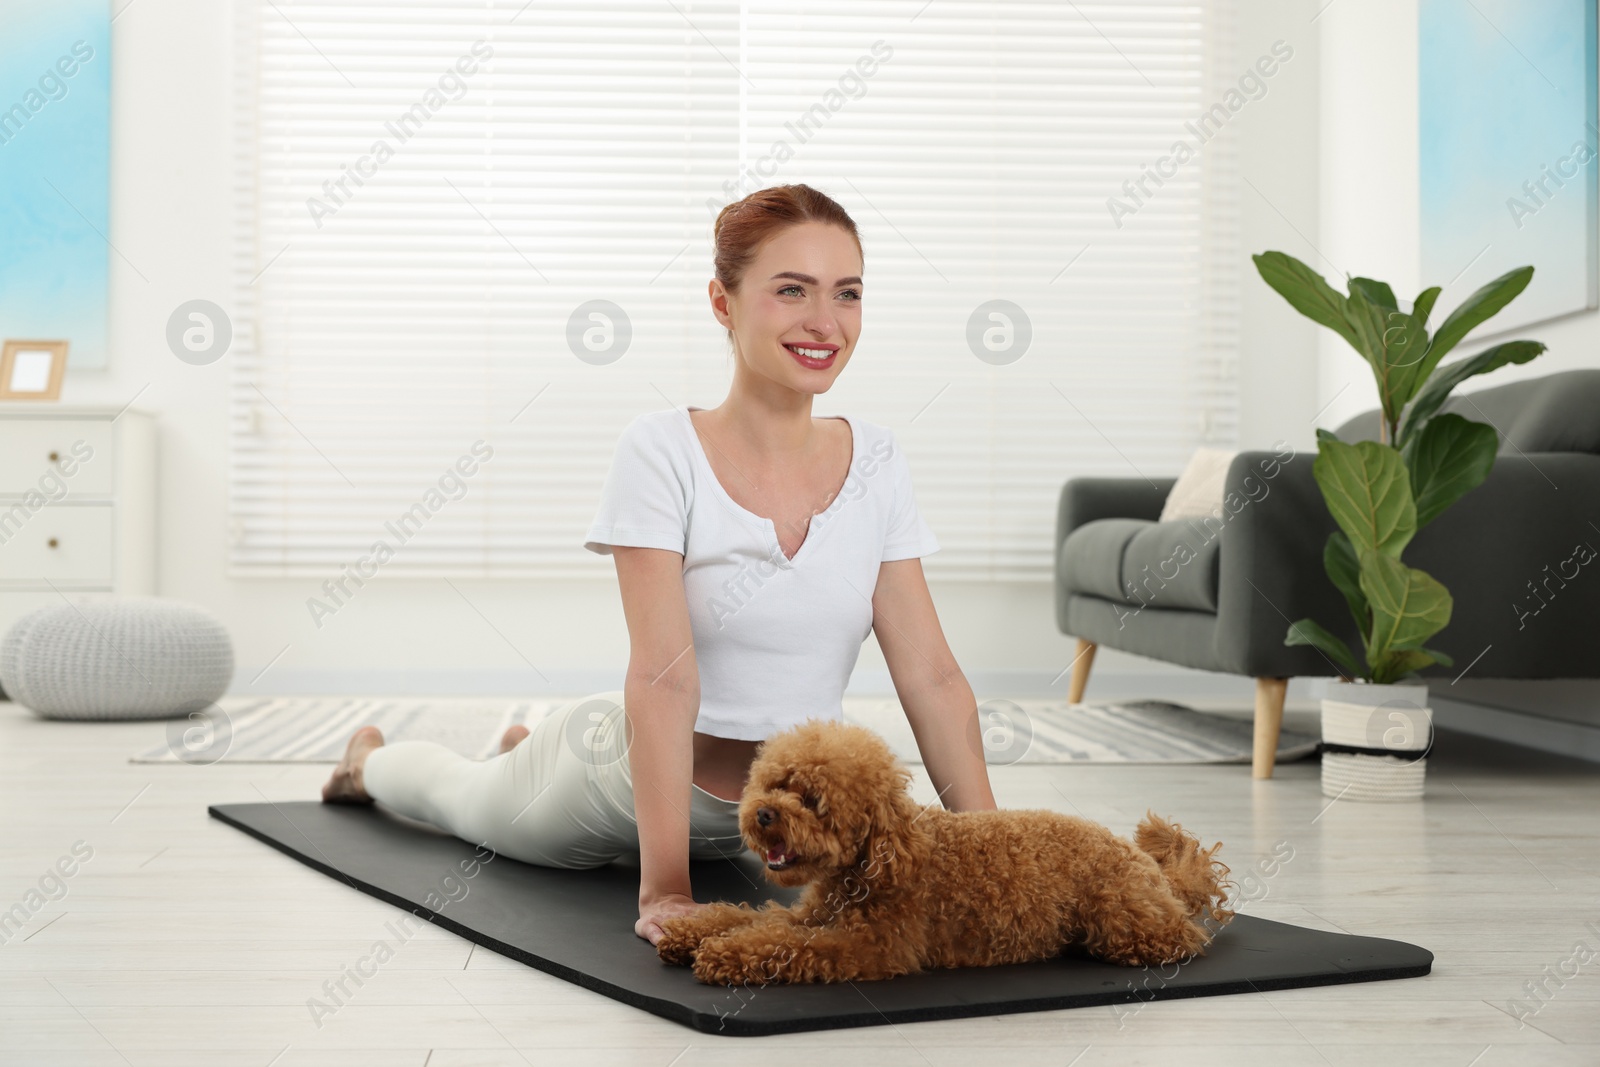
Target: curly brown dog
x,y
893,887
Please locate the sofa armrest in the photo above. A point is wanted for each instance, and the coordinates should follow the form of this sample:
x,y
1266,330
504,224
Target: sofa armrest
x,y
1269,571
1083,500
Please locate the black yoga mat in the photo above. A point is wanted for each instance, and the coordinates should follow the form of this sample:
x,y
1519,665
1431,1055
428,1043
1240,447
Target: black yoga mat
x,y
578,925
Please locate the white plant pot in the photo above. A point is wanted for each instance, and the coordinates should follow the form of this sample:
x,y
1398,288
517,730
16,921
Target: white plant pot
x,y
1380,736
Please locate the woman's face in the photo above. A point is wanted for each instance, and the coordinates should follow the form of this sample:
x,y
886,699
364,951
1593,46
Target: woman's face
x,y
803,291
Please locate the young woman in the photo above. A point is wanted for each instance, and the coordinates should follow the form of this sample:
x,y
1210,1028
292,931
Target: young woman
x,y
755,547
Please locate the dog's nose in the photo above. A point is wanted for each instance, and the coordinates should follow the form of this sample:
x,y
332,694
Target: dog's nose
x,y
765,815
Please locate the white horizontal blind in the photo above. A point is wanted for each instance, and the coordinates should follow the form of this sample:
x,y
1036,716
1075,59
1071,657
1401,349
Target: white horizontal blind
x,y
385,325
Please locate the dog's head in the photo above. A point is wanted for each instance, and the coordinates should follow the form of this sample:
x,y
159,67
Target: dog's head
x,y
822,797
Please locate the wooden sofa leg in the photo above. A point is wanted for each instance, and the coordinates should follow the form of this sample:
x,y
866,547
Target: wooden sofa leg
x,y
1269,721
1080,670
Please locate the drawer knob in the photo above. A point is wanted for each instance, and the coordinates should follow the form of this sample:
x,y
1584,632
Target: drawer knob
x,y
55,457
53,542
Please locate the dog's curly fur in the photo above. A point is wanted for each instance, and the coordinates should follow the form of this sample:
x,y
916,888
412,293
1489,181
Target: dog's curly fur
x,y
893,887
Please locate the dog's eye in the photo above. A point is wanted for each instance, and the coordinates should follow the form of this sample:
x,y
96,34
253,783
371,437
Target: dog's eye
x,y
809,800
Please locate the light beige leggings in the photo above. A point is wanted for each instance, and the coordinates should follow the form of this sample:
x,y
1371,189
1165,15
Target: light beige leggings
x,y
563,797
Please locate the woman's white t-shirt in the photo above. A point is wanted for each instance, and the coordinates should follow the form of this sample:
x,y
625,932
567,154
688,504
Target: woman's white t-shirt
x,y
775,638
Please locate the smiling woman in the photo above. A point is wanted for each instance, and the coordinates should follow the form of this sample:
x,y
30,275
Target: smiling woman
x,y
754,473
745,617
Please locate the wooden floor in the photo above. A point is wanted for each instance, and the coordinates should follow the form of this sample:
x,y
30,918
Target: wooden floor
x,y
181,941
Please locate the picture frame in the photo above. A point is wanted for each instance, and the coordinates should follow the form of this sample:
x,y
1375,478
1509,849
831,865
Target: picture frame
x,y
32,370
1507,170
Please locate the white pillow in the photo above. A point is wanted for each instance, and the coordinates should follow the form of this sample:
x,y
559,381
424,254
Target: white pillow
x,y
1198,492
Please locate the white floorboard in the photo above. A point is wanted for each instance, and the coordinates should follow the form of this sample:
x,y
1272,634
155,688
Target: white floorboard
x,y
183,941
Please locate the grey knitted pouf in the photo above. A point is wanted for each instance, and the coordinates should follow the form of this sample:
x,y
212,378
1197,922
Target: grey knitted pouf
x,y
131,658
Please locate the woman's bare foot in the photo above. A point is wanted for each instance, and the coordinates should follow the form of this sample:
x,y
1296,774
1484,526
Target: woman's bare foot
x,y
512,738
346,785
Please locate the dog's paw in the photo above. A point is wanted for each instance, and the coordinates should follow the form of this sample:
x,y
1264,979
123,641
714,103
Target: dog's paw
x,y
720,961
678,941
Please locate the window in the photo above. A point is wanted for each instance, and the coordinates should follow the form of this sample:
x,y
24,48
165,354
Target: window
x,y
453,217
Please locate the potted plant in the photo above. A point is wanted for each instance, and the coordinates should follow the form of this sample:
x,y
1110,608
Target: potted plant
x,y
1380,493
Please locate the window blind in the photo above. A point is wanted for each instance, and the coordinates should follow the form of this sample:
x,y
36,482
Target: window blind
x,y
474,241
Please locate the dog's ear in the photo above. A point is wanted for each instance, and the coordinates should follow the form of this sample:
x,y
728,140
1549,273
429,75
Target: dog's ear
x,y
890,817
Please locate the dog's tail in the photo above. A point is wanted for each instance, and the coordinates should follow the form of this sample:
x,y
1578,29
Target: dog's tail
x,y
1195,876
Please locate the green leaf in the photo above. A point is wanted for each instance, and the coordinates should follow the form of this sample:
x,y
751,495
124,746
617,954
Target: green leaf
x,y
1375,291
1306,291
1482,305
1366,321
1394,343
1440,658
1401,373
1408,605
1344,570
1306,632
1396,665
1432,395
1368,492
1450,456
1423,307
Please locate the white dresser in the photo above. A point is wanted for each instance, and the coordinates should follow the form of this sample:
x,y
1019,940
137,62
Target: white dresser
x,y
77,505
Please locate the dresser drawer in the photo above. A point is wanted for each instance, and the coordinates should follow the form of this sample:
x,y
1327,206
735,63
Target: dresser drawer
x,y
81,446
64,544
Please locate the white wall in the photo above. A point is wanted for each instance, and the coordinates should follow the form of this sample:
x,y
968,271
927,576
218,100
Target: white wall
x,y
1368,143
1278,197
172,224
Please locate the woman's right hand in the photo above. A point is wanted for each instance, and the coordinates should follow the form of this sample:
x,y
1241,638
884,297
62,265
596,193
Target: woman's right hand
x,y
657,910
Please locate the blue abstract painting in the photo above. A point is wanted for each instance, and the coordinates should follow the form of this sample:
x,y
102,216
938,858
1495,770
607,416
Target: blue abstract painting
x,y
1507,133
55,139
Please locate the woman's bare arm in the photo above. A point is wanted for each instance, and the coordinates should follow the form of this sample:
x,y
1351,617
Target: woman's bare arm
x,y
938,701
661,696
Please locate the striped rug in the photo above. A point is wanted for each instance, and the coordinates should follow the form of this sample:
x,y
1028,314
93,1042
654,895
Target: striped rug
x,y
315,729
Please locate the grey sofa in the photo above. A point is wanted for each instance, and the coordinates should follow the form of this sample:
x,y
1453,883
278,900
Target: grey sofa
x,y
1518,554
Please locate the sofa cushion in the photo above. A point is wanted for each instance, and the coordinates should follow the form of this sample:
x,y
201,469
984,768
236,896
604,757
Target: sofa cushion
x,y
1136,562
1173,565
1198,492
1091,556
